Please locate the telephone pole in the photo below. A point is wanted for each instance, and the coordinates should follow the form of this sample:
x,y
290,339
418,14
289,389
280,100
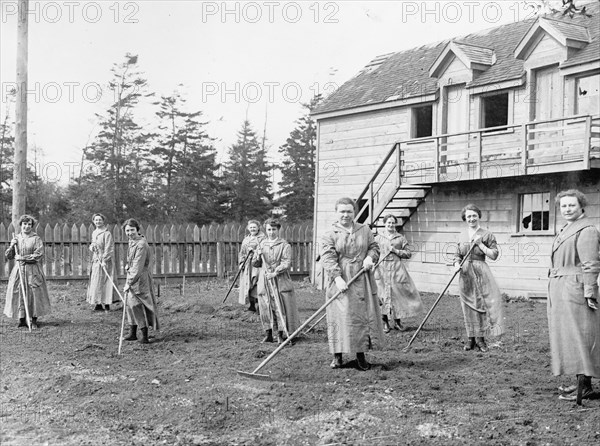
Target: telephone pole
x,y
20,158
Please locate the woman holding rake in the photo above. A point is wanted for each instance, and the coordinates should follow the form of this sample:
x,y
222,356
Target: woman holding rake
x,y
249,276
354,322
27,282
100,289
480,296
276,300
395,287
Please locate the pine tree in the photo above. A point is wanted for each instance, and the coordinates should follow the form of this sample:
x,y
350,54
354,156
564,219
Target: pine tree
x,y
247,180
119,152
187,187
298,168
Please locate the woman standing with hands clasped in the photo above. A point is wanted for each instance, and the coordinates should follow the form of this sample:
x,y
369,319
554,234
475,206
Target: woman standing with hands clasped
x,y
27,249
573,314
395,287
276,299
100,289
249,276
480,296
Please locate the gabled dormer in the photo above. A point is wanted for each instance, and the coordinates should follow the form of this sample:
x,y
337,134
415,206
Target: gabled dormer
x,y
464,60
558,40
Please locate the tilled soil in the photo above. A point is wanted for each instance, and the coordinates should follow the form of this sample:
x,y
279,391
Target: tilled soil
x,y
64,384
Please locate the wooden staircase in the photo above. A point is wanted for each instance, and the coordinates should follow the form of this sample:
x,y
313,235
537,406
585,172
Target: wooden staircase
x,y
386,193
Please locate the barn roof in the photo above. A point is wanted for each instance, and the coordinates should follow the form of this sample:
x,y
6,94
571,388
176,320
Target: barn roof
x,y
406,74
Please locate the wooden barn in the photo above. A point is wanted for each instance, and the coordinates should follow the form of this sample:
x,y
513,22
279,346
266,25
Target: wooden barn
x,y
504,118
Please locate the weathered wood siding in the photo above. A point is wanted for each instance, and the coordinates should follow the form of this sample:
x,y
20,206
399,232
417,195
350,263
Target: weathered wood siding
x,y
521,269
350,150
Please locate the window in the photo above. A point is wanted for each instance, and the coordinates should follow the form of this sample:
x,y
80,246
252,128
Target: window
x,y
587,96
422,121
494,110
534,212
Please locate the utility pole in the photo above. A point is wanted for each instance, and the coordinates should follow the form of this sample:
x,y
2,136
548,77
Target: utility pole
x,y
20,158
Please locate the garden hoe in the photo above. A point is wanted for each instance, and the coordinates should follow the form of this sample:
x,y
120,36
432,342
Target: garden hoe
x,y
405,349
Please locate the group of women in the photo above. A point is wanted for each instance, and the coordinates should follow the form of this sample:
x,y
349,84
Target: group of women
x,y
374,292
351,253
27,294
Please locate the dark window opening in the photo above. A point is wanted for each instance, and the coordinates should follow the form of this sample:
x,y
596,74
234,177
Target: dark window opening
x,y
495,110
423,121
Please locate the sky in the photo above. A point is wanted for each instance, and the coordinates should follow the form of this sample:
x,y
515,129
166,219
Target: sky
x,y
231,60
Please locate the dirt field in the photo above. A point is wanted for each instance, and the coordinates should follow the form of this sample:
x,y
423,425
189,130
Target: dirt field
x,y
65,384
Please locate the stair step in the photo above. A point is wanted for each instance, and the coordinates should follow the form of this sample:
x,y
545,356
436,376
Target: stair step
x,y
408,193
397,212
400,203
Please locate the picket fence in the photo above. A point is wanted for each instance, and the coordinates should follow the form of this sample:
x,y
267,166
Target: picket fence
x,y
178,250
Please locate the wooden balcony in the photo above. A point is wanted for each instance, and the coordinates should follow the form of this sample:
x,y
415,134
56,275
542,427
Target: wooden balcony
x,y
556,145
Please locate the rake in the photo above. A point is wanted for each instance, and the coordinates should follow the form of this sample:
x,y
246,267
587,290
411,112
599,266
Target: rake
x,y
255,375
405,349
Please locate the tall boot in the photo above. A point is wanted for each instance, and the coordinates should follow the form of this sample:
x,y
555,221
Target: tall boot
x,y
144,338
252,306
481,344
386,324
361,362
34,324
132,336
470,345
269,336
22,322
399,325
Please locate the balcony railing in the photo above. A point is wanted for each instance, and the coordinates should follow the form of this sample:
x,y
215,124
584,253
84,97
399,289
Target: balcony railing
x,y
554,145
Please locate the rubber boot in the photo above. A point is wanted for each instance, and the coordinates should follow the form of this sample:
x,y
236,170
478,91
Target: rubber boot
x,y
361,362
22,322
399,325
471,345
337,361
98,307
144,338
481,344
106,307
252,306
269,336
386,324
34,324
132,336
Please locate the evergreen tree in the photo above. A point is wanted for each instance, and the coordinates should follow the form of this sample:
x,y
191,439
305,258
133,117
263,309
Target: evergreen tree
x,y
298,168
119,152
187,187
247,178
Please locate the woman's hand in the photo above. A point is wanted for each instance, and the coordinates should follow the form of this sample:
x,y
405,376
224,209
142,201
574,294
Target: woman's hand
x,y
270,275
341,284
592,303
368,263
457,267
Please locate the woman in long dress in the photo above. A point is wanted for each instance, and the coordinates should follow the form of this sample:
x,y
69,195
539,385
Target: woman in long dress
x,y
354,323
573,314
480,296
100,289
395,288
141,306
27,249
249,275
276,299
